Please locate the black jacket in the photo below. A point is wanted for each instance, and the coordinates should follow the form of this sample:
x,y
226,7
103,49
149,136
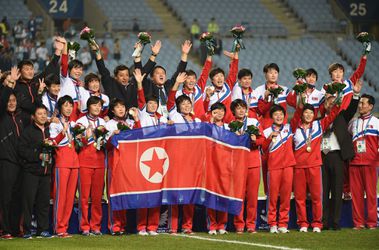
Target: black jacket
x,y
151,89
114,89
340,129
30,147
11,127
27,91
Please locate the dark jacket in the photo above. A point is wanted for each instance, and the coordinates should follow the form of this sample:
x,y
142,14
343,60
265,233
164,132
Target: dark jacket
x,y
114,89
151,89
30,148
340,129
11,127
27,91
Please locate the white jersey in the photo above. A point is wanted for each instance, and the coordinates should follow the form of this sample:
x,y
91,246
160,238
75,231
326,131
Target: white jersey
x,y
50,103
86,95
68,87
219,96
86,122
251,99
282,97
57,128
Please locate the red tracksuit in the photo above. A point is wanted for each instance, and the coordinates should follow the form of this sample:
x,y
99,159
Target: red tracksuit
x,y
66,176
307,172
91,178
362,170
225,94
280,162
252,182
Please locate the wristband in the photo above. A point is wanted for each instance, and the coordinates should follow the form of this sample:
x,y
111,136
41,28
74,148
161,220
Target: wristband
x,y
154,54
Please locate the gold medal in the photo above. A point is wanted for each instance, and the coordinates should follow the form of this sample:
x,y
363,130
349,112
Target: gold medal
x,y
309,149
95,144
273,139
69,145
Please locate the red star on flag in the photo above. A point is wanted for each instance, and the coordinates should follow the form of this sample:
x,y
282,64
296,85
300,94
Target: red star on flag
x,y
155,164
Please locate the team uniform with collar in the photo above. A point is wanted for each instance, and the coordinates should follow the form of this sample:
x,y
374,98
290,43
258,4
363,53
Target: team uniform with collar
x,y
91,177
196,95
362,170
50,103
307,171
225,94
316,98
252,181
280,162
71,87
83,103
116,219
66,175
251,99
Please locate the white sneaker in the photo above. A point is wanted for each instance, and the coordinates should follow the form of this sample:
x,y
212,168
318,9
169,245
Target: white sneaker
x,y
316,230
143,233
153,233
212,232
303,230
274,230
222,231
283,230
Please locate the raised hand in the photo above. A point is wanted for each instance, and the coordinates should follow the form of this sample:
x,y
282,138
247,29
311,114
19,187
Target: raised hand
x,y
209,91
94,46
59,43
156,47
138,75
186,47
41,86
15,73
181,78
134,113
358,86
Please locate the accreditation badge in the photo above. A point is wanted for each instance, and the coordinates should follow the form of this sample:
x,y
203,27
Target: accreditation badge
x,y
325,144
361,146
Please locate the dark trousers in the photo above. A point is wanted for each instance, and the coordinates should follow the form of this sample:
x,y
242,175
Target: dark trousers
x,y
10,197
332,183
36,197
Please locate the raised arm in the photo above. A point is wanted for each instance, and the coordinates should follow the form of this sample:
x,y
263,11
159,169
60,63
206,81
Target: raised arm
x,y
202,82
186,47
296,118
233,68
359,71
64,61
141,96
171,97
53,66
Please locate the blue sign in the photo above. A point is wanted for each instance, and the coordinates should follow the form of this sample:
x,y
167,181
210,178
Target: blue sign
x,y
63,9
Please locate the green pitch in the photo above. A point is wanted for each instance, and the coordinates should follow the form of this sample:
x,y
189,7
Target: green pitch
x,y
345,239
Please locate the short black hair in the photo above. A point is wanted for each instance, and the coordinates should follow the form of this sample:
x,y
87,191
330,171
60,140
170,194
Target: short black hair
x,y
218,105
75,64
180,100
155,68
275,108
190,72
38,106
237,103
244,72
334,66
94,100
270,66
89,78
119,68
63,100
215,71
308,106
371,99
25,62
311,71
52,79
152,98
114,102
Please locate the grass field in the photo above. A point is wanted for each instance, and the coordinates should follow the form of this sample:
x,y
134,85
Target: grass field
x,y
344,239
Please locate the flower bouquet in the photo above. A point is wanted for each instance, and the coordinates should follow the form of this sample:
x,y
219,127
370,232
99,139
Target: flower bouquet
x,y
76,131
143,39
100,133
209,41
335,88
122,126
365,38
48,148
235,126
237,32
275,92
252,130
88,35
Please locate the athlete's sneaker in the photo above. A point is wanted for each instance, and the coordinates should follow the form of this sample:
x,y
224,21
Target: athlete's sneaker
x,y
303,230
222,231
6,237
64,235
346,196
187,231
283,230
212,232
359,227
274,230
371,227
85,233
27,236
45,234
116,233
96,233
251,231
239,231
143,233
173,232
317,230
153,233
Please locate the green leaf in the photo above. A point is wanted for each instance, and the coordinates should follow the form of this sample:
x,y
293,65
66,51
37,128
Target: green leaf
x,y
234,126
252,130
299,73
